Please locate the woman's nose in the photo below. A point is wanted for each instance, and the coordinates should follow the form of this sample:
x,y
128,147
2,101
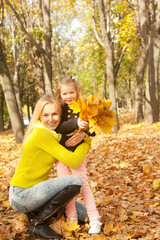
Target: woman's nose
x,y
50,117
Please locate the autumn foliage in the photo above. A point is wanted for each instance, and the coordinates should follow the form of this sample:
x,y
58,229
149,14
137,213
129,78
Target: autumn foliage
x,y
97,111
124,174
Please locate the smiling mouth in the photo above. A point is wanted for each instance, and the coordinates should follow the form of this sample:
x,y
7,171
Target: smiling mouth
x,y
52,124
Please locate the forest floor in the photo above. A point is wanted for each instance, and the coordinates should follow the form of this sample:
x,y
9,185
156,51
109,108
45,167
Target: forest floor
x,y
124,174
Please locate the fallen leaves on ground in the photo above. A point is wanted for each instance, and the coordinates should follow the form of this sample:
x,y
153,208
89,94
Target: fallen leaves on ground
x,y
124,175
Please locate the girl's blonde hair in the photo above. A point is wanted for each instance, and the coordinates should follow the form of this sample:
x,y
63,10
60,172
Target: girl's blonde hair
x,y
46,99
66,80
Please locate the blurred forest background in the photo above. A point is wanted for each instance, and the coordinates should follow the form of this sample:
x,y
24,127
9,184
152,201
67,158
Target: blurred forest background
x,y
110,46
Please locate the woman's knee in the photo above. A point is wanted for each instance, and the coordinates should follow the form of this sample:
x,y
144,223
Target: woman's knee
x,y
76,180
18,207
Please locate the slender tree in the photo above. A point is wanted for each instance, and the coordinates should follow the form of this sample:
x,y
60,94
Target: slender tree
x,y
1,110
44,52
152,81
47,45
106,42
10,98
142,26
16,68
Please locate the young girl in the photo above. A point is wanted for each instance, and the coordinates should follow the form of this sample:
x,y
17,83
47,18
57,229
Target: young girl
x,y
68,90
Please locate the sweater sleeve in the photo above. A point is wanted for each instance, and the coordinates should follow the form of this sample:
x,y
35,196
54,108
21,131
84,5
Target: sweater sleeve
x,y
67,126
46,141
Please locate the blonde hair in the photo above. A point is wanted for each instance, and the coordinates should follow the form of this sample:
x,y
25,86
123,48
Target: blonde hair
x,y
46,99
66,80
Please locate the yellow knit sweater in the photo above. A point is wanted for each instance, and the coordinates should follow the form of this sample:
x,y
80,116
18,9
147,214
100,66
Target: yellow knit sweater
x,y
39,153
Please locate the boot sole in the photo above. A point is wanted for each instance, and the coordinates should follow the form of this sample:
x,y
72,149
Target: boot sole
x,y
36,236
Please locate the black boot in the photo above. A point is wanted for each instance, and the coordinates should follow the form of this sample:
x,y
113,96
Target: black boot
x,y
42,230
37,226
33,214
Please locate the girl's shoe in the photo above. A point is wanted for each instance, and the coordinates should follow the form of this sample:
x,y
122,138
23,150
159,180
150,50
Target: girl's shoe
x,y
95,225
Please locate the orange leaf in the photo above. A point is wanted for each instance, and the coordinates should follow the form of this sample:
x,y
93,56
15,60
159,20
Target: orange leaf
x,y
97,111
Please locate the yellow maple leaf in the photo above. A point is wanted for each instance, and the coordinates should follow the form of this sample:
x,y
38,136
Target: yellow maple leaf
x,y
107,124
156,183
75,105
71,225
97,111
94,99
106,103
154,205
92,111
6,204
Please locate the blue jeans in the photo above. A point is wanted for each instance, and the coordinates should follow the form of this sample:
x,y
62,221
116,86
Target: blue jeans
x,y
28,199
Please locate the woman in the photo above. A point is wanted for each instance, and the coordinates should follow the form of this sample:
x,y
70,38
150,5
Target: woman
x,y
30,191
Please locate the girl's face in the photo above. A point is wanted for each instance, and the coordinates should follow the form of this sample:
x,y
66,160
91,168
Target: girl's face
x,y
50,116
68,93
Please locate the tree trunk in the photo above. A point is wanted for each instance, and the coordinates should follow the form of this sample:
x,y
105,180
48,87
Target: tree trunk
x,y
1,111
28,107
109,59
142,24
16,71
156,47
10,98
128,96
40,78
46,54
104,79
35,55
47,46
152,93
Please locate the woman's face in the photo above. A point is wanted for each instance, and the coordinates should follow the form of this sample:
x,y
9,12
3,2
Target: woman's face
x,y
50,116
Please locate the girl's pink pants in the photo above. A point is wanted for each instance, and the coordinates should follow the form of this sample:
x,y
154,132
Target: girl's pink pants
x,y
87,195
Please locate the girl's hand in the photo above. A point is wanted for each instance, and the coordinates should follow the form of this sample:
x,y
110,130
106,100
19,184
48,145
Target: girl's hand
x,y
75,138
83,124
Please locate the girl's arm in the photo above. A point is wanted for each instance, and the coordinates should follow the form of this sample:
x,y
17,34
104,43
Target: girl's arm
x,y
67,126
46,141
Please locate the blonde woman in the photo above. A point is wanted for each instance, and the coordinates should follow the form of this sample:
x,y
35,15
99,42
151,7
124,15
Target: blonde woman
x,y
31,192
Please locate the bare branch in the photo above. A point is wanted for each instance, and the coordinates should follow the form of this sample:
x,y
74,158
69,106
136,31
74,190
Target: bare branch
x,y
94,25
118,61
38,46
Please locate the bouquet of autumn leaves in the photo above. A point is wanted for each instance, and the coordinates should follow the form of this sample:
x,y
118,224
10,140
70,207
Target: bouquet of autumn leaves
x,y
97,111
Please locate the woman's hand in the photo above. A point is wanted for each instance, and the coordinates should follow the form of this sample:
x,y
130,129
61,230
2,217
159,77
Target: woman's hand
x,y
75,138
83,124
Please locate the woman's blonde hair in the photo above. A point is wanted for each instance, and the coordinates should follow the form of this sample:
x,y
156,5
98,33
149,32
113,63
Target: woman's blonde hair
x,y
66,80
46,99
